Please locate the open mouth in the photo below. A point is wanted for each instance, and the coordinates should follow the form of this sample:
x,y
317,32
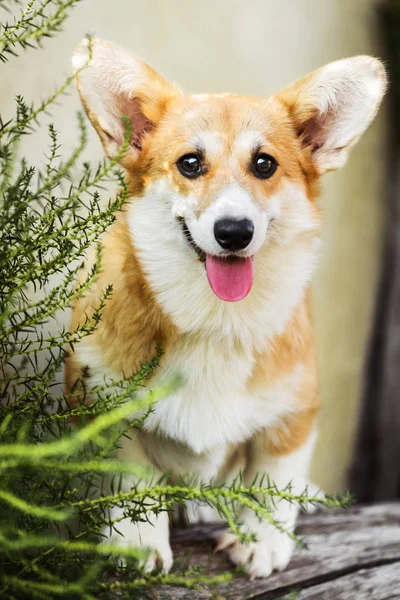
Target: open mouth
x,y
230,277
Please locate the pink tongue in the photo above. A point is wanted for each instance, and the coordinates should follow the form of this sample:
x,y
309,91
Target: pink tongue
x,y
230,279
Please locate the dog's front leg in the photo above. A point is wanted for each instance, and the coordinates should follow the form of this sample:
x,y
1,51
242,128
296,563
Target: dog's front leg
x,y
153,534
273,548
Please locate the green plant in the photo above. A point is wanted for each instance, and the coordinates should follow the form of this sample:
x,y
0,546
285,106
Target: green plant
x,y
58,472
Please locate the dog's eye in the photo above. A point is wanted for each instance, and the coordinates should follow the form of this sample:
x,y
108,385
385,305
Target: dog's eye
x,y
190,165
263,165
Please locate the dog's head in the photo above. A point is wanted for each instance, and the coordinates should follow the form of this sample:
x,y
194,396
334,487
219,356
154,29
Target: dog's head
x,y
233,171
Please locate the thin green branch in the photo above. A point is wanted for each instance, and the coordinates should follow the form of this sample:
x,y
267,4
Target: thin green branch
x,y
42,512
191,581
98,466
91,432
34,25
54,176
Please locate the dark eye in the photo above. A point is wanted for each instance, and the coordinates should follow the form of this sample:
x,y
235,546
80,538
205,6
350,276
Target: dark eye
x,y
190,165
263,165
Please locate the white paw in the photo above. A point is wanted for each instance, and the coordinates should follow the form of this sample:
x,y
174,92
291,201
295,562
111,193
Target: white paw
x,y
159,559
152,539
272,551
153,558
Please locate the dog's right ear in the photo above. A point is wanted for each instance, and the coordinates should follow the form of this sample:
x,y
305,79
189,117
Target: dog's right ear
x,y
114,85
332,107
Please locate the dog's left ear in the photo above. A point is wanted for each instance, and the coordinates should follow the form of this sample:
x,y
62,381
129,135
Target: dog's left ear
x,y
333,106
112,85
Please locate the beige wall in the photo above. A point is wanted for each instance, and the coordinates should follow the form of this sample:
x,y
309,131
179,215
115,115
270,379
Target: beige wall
x,y
254,47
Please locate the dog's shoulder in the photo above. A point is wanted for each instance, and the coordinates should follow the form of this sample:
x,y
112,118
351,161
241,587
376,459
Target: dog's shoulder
x,y
294,346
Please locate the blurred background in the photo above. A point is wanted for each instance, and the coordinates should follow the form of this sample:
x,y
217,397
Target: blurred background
x,y
255,48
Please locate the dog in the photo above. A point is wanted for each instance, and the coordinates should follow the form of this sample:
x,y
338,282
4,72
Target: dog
x,y
212,259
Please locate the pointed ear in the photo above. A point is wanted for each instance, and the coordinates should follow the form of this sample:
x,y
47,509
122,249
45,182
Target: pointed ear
x,y
114,84
334,105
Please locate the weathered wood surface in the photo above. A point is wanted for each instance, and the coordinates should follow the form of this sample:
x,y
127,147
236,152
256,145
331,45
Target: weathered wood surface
x,y
352,554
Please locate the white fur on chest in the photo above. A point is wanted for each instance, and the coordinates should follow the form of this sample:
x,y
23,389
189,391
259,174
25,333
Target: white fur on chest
x,y
213,407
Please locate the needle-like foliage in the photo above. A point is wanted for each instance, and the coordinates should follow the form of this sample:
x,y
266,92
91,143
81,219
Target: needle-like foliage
x,y
59,474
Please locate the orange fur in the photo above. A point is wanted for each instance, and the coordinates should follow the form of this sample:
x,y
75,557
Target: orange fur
x,y
132,324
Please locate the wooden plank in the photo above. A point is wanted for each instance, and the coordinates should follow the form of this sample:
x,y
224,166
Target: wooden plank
x,y
341,543
378,583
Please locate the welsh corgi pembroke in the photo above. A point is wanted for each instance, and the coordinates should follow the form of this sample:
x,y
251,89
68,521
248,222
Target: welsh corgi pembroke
x,y
212,259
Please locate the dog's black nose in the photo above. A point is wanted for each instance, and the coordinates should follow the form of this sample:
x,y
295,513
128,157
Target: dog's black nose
x,y
233,234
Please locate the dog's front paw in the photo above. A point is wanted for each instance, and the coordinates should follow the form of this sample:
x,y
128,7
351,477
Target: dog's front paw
x,y
273,550
153,539
155,555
